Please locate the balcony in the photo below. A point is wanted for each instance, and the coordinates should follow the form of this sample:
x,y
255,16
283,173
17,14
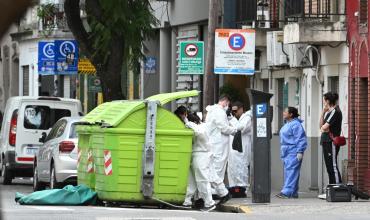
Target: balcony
x,y
314,21
52,17
258,14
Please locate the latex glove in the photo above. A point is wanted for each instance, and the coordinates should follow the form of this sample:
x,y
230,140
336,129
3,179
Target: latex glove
x,y
240,127
299,156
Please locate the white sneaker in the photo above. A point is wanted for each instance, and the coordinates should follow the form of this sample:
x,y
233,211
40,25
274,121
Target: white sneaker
x,y
322,196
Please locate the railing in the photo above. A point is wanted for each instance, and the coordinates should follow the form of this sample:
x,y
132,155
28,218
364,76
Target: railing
x,y
258,13
314,9
52,17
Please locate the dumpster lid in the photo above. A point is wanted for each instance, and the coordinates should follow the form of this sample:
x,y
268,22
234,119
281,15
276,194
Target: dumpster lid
x,y
110,114
165,98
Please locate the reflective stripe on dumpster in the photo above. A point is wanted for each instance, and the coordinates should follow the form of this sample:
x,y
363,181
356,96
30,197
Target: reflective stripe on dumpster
x,y
108,169
90,162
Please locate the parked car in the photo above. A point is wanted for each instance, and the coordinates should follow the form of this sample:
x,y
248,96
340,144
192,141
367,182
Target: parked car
x,y
25,119
56,161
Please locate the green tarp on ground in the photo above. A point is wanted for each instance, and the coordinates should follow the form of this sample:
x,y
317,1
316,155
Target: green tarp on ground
x,y
69,195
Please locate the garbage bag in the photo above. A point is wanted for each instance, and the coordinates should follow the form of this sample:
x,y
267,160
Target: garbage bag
x,y
69,195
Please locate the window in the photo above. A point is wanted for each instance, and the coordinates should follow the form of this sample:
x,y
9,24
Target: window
x,y
42,117
73,133
363,12
26,77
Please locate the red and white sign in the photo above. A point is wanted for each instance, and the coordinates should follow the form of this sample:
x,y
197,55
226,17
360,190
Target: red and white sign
x,y
90,162
108,169
191,50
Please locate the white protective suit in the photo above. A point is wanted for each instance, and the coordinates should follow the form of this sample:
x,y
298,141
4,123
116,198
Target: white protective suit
x,y
200,167
219,131
237,170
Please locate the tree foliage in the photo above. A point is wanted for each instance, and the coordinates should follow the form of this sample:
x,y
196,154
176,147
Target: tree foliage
x,y
113,35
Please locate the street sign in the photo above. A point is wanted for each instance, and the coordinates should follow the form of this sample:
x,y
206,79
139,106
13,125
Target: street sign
x,y
94,84
191,60
85,66
46,56
66,49
234,51
150,65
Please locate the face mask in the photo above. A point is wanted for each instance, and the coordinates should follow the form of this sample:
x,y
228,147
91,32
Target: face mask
x,y
226,108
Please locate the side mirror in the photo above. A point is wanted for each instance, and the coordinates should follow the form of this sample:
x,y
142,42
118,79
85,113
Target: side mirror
x,y
43,137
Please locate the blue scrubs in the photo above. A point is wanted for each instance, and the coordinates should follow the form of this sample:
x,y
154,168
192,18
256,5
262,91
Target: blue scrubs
x,y
293,140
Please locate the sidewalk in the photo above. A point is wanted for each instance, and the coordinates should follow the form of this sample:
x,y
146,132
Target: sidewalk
x,y
307,203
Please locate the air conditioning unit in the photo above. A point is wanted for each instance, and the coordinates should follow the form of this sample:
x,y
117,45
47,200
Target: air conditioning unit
x,y
296,52
276,50
263,17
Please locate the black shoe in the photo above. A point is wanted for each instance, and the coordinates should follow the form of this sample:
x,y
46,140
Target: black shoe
x,y
224,199
208,209
199,204
282,196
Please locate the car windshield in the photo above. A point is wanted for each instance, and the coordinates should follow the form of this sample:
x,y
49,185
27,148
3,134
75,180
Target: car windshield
x,y
73,133
42,117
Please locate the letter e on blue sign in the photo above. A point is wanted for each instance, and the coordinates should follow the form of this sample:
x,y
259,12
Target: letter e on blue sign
x,y
261,109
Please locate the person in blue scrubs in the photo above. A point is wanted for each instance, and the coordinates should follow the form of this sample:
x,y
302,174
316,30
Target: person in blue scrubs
x,y
293,142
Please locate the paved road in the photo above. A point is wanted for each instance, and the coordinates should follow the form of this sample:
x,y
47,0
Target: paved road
x,y
12,211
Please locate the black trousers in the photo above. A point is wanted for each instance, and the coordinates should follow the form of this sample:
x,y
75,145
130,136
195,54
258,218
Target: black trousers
x,y
330,152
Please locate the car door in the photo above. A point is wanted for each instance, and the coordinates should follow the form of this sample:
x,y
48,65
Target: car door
x,y
33,120
43,154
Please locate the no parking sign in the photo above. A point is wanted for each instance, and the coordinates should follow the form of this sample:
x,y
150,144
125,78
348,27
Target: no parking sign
x,y
234,51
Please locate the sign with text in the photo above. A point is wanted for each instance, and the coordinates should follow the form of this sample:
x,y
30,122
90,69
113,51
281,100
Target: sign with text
x,y
57,57
234,51
150,65
46,58
191,59
66,50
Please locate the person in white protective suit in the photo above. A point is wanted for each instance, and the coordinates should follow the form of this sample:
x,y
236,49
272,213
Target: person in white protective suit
x,y
219,131
200,165
240,153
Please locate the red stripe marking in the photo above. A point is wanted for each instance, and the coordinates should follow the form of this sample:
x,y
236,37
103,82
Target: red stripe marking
x,y
25,158
108,162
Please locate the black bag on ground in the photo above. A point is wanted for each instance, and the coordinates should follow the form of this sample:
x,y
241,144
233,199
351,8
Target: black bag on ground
x,y
237,142
238,192
338,193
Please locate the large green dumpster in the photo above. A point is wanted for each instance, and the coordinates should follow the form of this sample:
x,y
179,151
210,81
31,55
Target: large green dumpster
x,y
119,135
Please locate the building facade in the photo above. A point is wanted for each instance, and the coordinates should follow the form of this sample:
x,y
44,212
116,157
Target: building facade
x,y
359,132
301,53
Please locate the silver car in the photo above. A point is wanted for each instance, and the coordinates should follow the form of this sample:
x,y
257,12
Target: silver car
x,y
55,163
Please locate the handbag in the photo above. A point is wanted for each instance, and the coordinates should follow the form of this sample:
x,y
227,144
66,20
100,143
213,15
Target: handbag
x,y
237,142
339,140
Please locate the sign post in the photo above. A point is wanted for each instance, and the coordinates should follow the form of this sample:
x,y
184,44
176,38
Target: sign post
x,y
261,146
191,60
234,51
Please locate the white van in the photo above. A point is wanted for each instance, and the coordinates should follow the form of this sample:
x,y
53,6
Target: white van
x,y
26,119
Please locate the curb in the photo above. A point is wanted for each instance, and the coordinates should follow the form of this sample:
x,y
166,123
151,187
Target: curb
x,y
236,209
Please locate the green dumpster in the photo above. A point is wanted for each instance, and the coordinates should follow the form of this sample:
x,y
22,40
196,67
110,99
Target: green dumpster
x,y
141,151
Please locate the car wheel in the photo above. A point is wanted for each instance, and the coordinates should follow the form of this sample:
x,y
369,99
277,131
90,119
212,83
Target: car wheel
x,y
53,179
5,173
37,185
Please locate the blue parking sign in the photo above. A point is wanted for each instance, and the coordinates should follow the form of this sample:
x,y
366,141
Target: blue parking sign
x,y
46,58
66,50
261,109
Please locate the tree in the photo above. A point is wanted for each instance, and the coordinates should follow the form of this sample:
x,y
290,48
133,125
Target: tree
x,y
113,37
209,79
